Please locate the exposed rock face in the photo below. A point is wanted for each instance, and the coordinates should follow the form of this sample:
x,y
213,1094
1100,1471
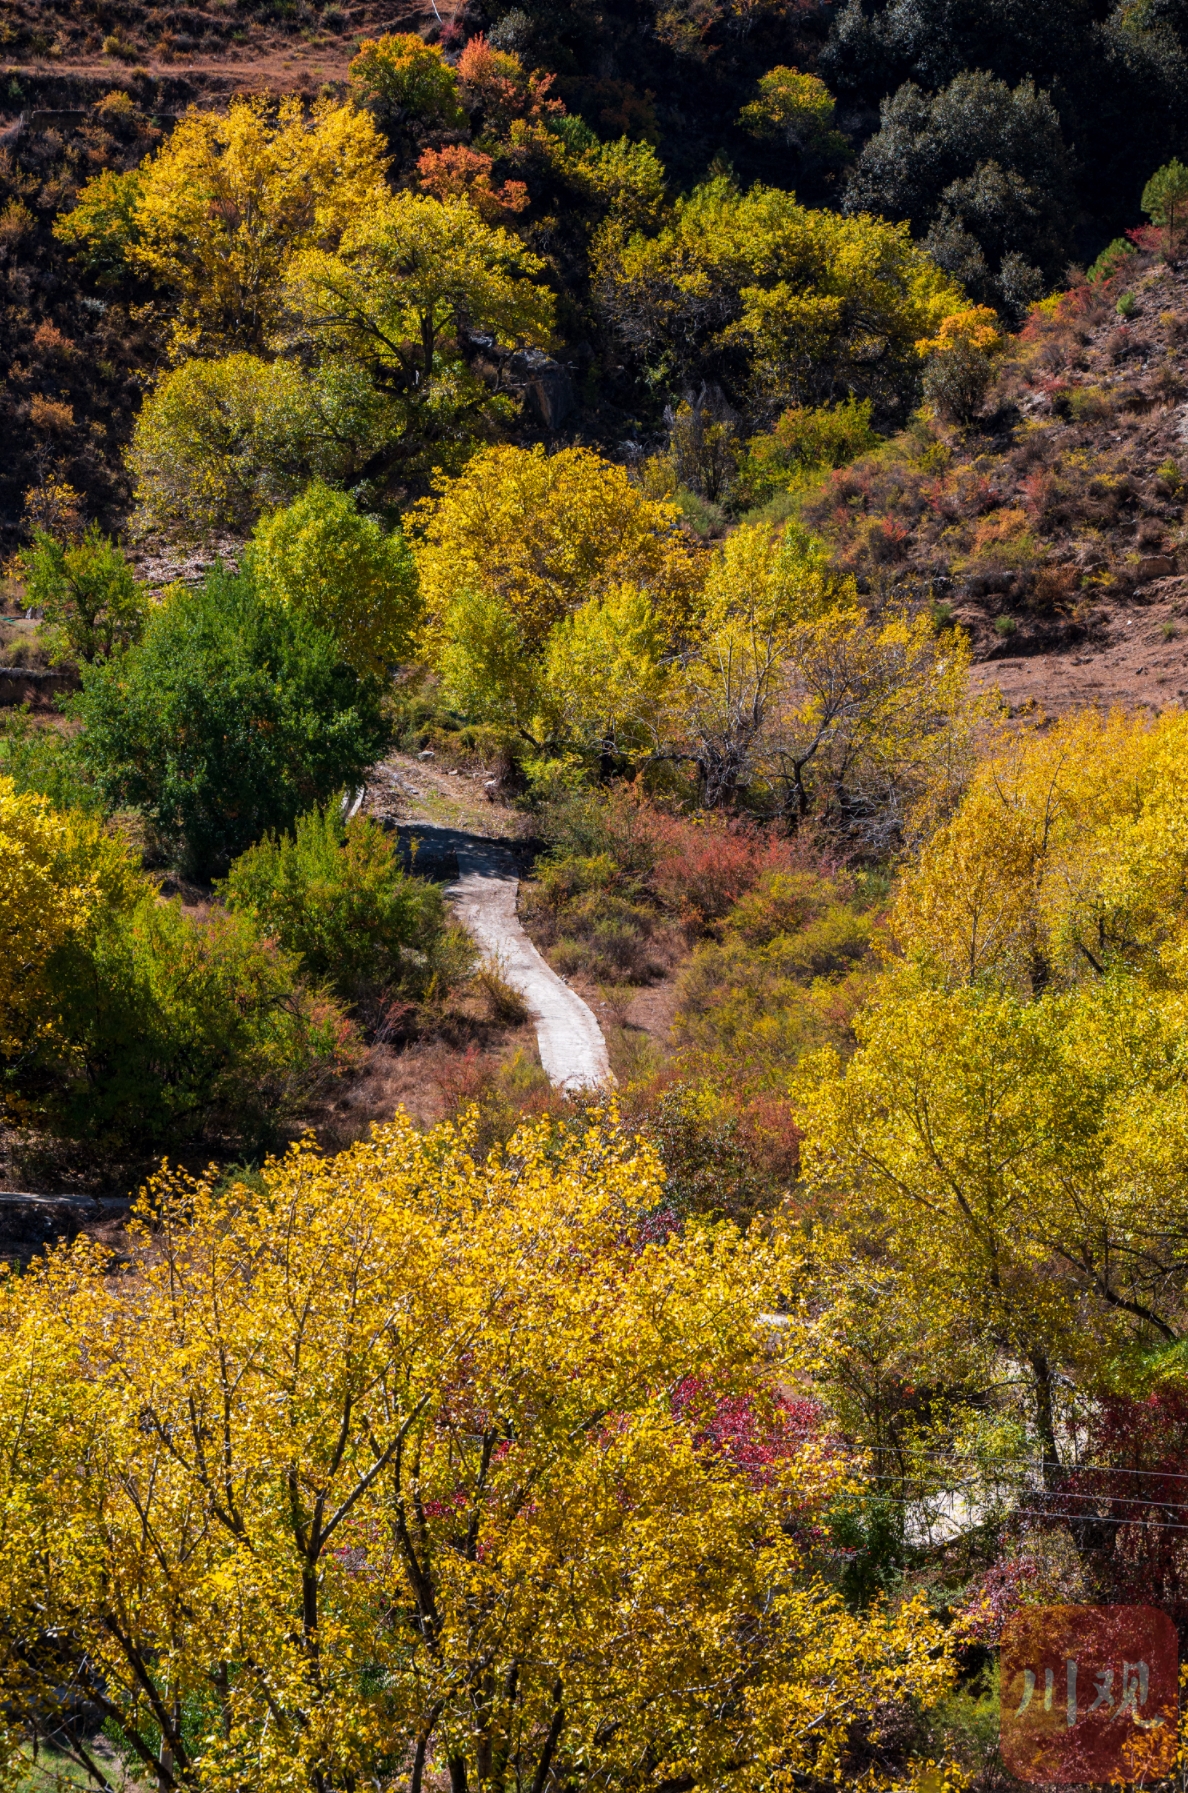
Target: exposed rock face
x,y
540,381
544,385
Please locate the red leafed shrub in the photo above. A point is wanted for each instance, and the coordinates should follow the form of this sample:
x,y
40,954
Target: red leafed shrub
x,y
1036,491
771,1136
704,865
887,540
457,172
732,1428
1150,239
1129,1506
1004,1588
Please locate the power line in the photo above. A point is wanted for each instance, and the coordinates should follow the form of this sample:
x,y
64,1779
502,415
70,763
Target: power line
x,y
1168,1475
1126,1500
895,1499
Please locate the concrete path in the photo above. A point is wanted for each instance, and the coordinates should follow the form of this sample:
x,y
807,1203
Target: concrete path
x,y
572,1048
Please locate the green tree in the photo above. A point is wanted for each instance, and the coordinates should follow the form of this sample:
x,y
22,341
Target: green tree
x,y
218,442
167,1026
342,571
408,282
982,174
1165,197
229,717
86,592
334,893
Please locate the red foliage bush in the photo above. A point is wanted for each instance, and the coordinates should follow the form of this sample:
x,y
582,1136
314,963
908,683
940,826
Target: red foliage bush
x,y
457,172
731,1428
704,864
1131,1503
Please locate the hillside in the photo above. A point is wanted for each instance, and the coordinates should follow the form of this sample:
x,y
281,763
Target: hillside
x,y
1052,529
618,1136
58,54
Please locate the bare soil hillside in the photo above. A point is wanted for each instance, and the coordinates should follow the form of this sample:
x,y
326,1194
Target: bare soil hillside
x,y
1053,531
54,50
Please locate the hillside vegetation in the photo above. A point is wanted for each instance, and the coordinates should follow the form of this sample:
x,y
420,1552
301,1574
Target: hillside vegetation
x,y
734,453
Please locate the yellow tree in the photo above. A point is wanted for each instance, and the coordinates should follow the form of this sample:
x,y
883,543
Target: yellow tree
x,y
410,279
215,215
1014,1124
399,1464
605,675
794,109
809,304
789,687
541,573
545,532
400,73
1064,858
57,871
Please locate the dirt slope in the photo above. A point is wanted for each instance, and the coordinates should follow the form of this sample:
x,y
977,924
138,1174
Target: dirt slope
x,y
56,51
1054,530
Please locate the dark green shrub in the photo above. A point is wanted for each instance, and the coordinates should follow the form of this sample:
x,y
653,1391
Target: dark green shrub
x,y
711,1166
983,174
335,894
229,717
1088,404
171,1026
956,381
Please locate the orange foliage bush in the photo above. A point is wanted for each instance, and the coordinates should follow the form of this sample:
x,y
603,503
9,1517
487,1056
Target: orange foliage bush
x,y
494,83
457,172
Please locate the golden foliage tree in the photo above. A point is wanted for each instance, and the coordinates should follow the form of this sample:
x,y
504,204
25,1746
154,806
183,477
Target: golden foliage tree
x,y
218,211
790,689
398,1464
399,72
606,674
409,280
1014,1123
543,533
795,109
816,304
56,871
375,381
